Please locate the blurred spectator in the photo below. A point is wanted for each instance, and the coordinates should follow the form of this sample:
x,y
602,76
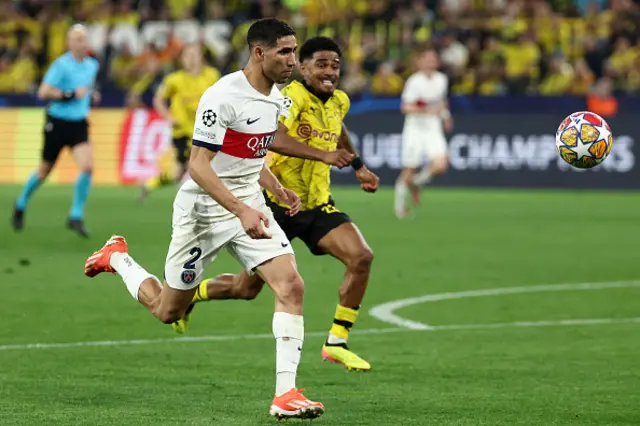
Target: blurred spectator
x,y
522,63
386,82
583,78
354,81
454,55
123,68
600,100
148,80
488,47
6,81
24,71
558,78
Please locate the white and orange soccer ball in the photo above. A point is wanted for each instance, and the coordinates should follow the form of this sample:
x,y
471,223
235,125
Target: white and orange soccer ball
x,y
584,139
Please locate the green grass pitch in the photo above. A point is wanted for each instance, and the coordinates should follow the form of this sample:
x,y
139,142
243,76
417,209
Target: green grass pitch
x,y
460,240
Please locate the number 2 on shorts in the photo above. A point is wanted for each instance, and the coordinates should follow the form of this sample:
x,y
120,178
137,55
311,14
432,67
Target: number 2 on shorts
x,y
196,252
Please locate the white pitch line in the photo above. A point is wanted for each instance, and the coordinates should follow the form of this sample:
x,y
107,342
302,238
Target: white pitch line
x,y
385,311
551,323
395,305
218,338
210,338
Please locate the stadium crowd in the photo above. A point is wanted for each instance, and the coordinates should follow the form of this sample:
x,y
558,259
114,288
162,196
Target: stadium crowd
x,y
488,47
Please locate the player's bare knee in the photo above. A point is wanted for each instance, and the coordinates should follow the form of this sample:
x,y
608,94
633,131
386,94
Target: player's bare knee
x,y
361,261
440,167
248,293
169,316
43,171
291,289
87,170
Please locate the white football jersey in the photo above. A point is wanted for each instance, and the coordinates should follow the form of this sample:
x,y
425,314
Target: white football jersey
x,y
239,123
427,90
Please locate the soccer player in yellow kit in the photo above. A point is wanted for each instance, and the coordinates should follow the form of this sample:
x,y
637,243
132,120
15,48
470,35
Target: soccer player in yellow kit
x,y
316,113
182,89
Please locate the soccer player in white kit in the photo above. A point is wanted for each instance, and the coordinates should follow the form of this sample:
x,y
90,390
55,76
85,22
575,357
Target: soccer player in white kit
x,y
222,207
425,106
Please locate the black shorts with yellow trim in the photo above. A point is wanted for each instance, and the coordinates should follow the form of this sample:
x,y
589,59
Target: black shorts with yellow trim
x,y
183,149
309,225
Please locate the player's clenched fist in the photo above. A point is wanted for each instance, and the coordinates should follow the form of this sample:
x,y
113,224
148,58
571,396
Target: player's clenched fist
x,y
339,158
252,222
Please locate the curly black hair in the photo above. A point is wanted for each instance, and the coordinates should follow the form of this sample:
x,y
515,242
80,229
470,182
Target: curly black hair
x,y
318,44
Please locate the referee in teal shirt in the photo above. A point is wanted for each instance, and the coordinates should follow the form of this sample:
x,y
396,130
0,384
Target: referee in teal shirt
x,y
68,86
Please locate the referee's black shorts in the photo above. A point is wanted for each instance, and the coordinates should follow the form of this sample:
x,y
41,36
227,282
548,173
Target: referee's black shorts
x,y
60,133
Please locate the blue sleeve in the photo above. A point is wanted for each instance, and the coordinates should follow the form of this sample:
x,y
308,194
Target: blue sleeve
x,y
54,74
96,66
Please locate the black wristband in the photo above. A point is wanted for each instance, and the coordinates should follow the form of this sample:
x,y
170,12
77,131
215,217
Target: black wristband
x,y
67,95
357,163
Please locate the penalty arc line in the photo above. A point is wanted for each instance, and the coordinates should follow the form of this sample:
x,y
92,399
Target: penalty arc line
x,y
385,311
377,310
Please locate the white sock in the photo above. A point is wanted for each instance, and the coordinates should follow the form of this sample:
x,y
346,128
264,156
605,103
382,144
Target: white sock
x,y
288,329
401,196
423,177
335,340
132,274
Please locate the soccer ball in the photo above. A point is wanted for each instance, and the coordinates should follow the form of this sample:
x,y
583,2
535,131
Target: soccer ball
x,y
584,139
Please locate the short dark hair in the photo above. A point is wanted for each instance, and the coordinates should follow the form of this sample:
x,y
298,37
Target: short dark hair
x,y
318,44
268,31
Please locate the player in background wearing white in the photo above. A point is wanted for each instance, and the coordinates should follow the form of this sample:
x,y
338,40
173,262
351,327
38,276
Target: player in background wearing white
x,y
425,106
222,206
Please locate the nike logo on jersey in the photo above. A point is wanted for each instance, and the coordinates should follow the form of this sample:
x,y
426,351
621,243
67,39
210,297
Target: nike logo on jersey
x,y
284,244
250,121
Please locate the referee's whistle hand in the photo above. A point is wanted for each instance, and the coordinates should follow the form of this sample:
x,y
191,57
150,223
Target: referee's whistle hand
x,y
95,98
81,92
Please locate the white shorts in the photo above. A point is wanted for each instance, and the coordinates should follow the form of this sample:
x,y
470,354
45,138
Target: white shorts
x,y
196,242
417,146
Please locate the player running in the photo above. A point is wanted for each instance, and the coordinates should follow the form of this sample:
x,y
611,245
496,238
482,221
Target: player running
x,y
315,118
68,86
424,103
182,89
222,206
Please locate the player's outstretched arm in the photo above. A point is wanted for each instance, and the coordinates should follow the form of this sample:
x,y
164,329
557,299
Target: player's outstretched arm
x,y
290,146
269,182
202,173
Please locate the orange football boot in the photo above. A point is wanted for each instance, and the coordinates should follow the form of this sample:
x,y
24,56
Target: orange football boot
x,y
98,262
294,405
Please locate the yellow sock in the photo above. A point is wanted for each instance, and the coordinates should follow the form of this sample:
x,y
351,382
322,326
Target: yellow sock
x,y
201,293
342,323
153,183
162,179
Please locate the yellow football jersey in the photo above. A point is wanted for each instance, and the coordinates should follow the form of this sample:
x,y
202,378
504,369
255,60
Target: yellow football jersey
x,y
183,91
316,124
